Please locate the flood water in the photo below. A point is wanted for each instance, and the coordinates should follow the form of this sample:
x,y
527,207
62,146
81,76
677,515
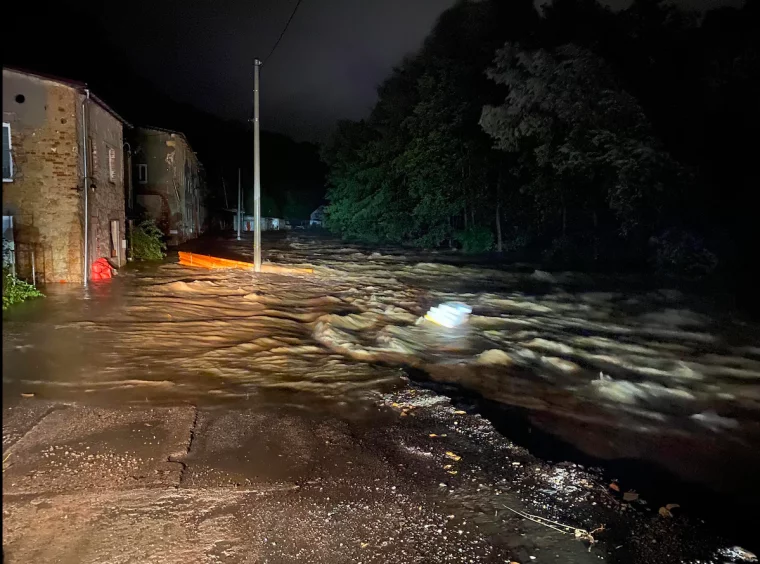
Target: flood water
x,y
616,368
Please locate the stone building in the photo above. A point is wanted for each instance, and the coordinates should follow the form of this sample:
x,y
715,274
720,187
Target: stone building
x,y
53,130
168,183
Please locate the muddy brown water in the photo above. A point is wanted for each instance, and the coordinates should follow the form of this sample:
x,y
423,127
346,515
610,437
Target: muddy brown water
x,y
659,386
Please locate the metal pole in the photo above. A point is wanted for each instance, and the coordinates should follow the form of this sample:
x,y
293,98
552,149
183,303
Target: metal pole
x,y
240,200
13,255
256,171
85,150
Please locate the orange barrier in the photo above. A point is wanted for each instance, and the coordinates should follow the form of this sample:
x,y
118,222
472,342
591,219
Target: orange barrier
x,y
205,261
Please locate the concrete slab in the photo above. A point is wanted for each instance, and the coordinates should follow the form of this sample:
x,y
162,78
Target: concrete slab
x,y
77,448
275,448
18,420
222,525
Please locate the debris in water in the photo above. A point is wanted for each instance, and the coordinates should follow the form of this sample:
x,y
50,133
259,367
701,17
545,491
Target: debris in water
x,y
452,456
27,395
630,496
737,554
449,314
667,510
580,534
543,276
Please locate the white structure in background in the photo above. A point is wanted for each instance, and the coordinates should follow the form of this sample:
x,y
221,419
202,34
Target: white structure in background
x,y
267,223
318,216
449,314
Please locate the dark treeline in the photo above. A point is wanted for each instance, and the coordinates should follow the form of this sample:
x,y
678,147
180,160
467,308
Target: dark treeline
x,y
579,135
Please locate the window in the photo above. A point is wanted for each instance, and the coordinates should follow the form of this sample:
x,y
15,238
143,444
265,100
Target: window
x,y
142,173
7,156
111,164
93,157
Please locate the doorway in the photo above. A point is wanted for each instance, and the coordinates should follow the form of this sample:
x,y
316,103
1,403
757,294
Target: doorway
x,y
115,231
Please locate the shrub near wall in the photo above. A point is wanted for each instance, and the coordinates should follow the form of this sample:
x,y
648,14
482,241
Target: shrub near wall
x,y
147,242
16,291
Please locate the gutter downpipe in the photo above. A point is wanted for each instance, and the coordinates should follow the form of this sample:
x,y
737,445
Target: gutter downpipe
x,y
86,188
128,173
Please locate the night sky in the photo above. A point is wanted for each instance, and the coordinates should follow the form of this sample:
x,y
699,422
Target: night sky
x,y
327,66
200,52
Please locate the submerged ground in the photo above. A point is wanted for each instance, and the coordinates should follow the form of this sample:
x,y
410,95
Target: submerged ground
x,y
180,415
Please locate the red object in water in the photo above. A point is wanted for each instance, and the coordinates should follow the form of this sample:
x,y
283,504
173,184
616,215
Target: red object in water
x,y
101,270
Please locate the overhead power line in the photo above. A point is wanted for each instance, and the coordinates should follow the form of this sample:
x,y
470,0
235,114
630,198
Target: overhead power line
x,y
290,19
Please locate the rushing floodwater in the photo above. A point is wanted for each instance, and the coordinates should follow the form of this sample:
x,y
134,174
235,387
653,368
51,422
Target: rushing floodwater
x,y
647,373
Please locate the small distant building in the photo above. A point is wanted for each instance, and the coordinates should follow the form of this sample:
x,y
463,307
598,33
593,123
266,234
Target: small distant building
x,y
267,223
167,182
53,130
317,217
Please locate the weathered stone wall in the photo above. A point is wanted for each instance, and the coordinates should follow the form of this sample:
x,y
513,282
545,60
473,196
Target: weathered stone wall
x,y
45,195
106,198
155,196
172,191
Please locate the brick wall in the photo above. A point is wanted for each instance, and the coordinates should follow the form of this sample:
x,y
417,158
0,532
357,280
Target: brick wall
x,y
45,195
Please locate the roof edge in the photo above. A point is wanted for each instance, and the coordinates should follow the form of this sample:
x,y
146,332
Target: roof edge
x,y
173,132
72,83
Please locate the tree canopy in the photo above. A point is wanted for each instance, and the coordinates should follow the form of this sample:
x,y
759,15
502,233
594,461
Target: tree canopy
x,y
579,128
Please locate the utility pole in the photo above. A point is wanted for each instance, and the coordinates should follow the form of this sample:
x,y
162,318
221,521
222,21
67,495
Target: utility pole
x,y
240,200
256,171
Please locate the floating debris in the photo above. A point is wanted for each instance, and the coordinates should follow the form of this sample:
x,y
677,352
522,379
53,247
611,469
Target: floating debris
x,y
738,554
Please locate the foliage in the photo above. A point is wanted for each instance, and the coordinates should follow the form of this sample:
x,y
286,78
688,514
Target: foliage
x,y
518,242
16,291
574,131
147,241
268,207
584,141
295,208
680,252
475,239
419,168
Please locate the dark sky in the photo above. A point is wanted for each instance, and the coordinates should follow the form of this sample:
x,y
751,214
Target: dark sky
x,y
200,52
327,66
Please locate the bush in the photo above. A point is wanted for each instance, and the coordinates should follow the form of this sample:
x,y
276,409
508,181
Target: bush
x,y
516,242
16,291
681,252
475,239
147,241
563,251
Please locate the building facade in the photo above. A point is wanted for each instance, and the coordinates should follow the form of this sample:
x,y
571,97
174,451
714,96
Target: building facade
x,y
53,130
167,182
317,217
